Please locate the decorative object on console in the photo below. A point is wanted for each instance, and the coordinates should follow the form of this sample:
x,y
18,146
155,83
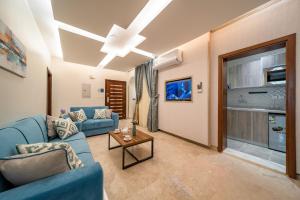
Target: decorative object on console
x,y
133,130
179,89
65,127
12,52
73,159
25,168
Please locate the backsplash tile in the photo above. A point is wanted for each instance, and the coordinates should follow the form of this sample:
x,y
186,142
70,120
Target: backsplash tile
x,y
274,98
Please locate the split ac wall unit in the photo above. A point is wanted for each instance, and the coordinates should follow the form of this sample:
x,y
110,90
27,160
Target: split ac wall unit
x,y
171,58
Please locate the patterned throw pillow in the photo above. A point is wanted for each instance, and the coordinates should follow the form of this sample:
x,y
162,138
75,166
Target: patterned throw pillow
x,y
100,114
73,117
108,113
50,127
80,115
65,128
25,168
73,159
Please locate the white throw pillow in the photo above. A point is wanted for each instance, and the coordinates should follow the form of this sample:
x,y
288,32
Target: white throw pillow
x,y
65,128
100,114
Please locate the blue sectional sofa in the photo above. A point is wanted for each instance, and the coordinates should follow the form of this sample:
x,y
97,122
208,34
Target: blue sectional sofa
x,y
96,126
82,183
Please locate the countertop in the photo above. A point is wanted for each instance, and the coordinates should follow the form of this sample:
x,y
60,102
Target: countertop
x,y
257,110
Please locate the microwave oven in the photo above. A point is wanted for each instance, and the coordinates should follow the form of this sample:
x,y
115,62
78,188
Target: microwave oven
x,y
275,75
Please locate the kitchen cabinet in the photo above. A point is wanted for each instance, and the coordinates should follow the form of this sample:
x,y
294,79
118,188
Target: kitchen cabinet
x,y
248,126
250,73
260,125
273,60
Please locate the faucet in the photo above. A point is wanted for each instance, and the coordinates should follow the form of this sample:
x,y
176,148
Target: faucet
x,y
242,100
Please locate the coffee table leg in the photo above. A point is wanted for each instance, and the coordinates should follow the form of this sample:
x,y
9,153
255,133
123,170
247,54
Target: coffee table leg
x,y
108,141
123,158
109,147
152,148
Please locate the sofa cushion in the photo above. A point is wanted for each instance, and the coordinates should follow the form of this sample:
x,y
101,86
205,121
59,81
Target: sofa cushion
x,y
97,123
80,115
25,168
100,114
50,126
89,111
80,146
73,159
32,129
77,136
86,158
65,127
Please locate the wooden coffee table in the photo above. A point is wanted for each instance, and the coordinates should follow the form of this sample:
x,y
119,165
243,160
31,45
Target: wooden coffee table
x,y
140,138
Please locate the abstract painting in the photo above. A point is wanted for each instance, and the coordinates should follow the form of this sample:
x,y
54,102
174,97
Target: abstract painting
x,y
12,52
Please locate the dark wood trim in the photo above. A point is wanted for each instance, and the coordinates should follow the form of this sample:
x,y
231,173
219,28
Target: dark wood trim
x,y
290,43
49,92
291,106
185,139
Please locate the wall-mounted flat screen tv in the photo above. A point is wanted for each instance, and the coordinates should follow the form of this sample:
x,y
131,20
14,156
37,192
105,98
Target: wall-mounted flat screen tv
x,y
179,90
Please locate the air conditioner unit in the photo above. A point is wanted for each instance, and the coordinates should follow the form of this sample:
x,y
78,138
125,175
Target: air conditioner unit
x,y
171,58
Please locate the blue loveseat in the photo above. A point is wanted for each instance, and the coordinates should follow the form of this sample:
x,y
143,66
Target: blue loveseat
x,y
82,183
96,126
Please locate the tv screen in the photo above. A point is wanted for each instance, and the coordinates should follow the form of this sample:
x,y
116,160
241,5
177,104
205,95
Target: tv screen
x,y
179,90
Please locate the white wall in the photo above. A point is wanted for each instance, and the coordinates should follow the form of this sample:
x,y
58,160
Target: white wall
x,y
276,21
188,119
68,78
21,97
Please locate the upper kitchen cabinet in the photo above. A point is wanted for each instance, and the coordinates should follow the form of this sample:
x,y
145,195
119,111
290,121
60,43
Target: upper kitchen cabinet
x,y
249,71
271,61
249,74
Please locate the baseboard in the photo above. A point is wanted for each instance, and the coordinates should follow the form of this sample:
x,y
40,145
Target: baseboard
x,y
185,139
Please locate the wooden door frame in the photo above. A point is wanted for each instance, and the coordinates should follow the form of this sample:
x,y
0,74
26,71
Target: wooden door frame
x,y
289,42
49,92
106,80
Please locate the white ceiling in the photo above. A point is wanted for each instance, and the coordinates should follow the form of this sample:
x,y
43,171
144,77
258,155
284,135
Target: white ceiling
x,y
180,22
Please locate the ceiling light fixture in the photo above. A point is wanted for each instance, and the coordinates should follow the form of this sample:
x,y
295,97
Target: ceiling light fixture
x,y
106,60
142,52
79,31
121,41
147,15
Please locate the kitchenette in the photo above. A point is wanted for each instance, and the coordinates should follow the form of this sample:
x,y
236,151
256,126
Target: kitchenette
x,y
256,122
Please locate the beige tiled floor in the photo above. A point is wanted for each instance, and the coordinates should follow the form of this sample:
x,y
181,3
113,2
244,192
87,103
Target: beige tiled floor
x,y
185,171
261,152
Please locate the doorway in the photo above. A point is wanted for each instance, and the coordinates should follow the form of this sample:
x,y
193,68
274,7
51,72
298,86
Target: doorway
x,y
287,42
115,96
49,92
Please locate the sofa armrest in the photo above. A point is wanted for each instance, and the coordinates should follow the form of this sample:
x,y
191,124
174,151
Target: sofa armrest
x,y
79,125
115,117
82,183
